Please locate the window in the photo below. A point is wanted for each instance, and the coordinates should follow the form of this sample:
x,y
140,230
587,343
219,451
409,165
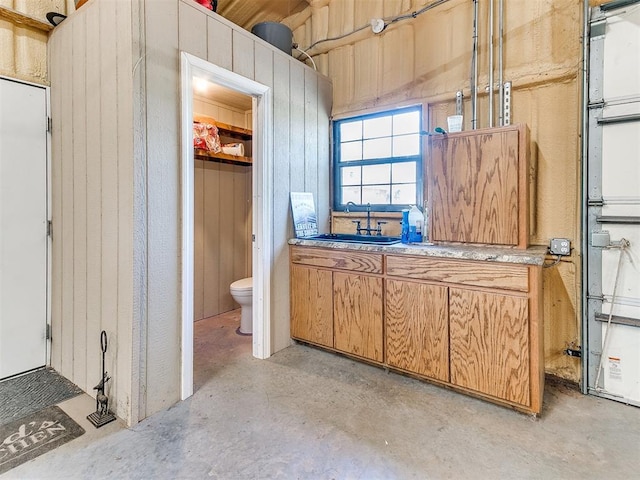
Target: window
x,y
378,160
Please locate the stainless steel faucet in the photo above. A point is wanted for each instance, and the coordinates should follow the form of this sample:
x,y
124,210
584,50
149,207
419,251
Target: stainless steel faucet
x,y
368,219
368,230
346,209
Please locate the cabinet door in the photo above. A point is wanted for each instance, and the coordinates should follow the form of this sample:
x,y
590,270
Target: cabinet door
x,y
311,305
417,330
489,342
357,310
474,187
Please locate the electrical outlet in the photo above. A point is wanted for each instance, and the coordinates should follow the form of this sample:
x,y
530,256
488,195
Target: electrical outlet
x,y
560,246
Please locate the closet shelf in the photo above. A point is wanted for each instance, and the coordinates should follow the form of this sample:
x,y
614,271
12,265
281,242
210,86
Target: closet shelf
x,y
235,132
227,131
221,157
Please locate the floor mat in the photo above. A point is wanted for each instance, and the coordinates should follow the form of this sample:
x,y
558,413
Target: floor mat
x,y
32,392
35,434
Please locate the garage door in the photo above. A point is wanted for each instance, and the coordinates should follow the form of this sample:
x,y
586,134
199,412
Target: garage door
x,y
612,260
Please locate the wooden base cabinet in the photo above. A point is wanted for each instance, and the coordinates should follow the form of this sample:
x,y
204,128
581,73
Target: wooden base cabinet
x,y
336,300
472,325
357,314
312,305
417,328
489,337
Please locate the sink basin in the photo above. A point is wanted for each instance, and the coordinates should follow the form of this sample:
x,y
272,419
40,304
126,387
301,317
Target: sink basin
x,y
353,238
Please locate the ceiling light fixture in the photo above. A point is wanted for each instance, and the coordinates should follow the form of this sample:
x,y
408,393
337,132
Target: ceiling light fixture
x,y
200,85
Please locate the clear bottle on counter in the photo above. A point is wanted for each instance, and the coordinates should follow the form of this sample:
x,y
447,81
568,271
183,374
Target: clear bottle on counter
x,y
404,238
425,227
416,222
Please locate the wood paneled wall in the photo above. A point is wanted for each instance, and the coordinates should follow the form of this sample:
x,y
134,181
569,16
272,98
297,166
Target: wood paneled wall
x,y
92,199
428,58
221,112
123,204
222,234
173,26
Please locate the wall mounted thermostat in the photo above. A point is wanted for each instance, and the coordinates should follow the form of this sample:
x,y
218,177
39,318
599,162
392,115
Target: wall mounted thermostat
x,y
560,246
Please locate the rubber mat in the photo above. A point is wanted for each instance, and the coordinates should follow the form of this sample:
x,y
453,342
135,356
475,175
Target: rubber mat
x,y
20,396
35,434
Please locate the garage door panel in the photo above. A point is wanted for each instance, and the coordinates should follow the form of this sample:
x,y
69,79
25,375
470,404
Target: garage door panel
x,y
628,290
621,151
621,367
620,53
612,360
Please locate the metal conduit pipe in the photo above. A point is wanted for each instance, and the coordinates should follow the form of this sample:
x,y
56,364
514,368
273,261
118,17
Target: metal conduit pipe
x,y
500,63
585,185
474,60
490,63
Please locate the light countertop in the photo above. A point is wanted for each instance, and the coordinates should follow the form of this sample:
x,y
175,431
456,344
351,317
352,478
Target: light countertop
x,y
534,255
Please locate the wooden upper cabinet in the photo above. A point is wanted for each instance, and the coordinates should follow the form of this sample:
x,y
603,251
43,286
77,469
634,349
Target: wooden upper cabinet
x,y
477,185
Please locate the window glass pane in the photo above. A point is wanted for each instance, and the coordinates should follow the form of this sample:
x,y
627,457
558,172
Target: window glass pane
x,y
378,194
350,131
370,163
406,123
404,194
406,145
377,148
351,176
351,151
351,194
377,127
374,174
404,172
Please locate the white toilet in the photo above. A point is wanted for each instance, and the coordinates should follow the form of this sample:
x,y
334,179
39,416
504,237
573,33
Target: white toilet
x,y
242,292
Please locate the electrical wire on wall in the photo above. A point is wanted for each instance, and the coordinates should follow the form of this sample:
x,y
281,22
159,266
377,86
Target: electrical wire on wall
x,y
555,262
387,21
295,46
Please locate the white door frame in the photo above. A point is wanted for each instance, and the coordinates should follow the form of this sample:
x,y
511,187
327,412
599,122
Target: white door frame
x,y
262,220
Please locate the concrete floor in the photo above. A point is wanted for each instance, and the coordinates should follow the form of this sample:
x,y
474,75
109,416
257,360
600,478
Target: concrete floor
x,y
308,414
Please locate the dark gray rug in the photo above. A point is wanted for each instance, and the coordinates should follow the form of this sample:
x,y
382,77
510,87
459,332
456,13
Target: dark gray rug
x,y
20,396
37,433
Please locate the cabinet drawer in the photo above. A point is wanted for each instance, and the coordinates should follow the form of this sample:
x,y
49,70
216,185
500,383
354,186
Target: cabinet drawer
x,y
337,259
479,274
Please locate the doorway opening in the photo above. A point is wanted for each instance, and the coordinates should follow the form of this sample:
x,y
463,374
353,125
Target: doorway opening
x,y
193,68
222,227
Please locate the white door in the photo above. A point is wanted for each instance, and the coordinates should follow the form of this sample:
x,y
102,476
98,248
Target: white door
x,y
23,227
613,189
